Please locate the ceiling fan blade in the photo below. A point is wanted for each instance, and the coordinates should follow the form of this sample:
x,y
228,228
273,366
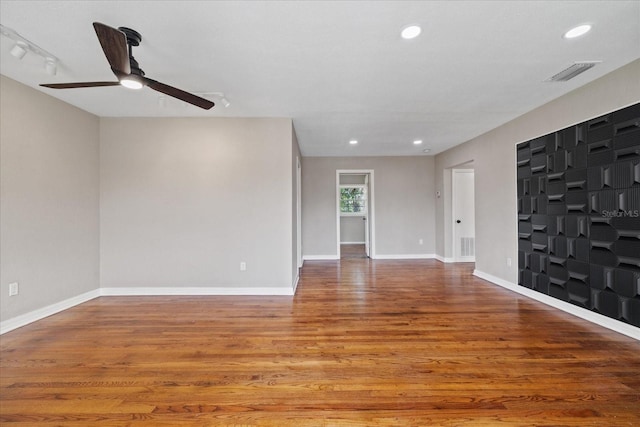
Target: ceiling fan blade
x,y
180,94
114,45
77,85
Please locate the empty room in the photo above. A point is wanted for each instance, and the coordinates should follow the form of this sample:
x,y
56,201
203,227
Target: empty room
x,y
320,213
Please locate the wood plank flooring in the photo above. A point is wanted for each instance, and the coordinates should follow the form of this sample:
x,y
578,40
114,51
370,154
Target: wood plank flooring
x,y
351,250
390,343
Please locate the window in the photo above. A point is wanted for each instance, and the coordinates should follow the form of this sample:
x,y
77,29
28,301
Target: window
x,y
353,200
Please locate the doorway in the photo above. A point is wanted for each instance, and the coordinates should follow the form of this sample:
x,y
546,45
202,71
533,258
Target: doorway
x,y
355,213
463,211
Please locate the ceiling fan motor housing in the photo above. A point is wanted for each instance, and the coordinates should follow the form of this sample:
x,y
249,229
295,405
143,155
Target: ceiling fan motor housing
x,y
133,39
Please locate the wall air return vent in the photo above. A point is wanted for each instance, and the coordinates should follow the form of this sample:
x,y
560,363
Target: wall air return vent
x,y
572,71
467,246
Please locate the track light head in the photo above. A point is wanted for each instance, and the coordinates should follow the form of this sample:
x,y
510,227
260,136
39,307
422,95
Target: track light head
x,y
51,66
19,50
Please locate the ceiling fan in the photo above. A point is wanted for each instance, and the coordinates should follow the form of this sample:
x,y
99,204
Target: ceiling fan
x,y
117,45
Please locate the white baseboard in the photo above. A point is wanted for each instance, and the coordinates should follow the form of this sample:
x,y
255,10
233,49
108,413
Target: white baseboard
x,y
443,259
295,283
41,313
405,256
195,290
320,257
591,316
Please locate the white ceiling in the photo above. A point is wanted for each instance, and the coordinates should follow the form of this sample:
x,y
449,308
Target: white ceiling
x,y
338,68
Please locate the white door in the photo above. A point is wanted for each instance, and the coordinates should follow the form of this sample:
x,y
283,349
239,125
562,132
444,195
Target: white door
x,y
463,215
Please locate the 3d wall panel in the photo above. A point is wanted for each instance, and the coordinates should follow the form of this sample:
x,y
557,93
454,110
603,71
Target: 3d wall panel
x,y
579,214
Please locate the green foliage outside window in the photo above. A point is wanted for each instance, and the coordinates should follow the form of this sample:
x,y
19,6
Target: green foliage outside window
x,y
353,200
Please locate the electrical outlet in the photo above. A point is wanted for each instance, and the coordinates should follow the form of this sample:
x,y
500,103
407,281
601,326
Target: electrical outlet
x,y
243,266
419,241
508,262
13,289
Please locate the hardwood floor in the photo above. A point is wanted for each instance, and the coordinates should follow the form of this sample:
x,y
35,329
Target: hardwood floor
x,y
350,250
391,343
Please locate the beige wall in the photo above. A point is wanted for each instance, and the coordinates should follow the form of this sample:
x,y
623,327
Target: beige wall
x,y
404,204
49,200
495,170
352,229
185,200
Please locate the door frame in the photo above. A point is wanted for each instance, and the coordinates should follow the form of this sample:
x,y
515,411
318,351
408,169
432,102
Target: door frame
x,y
299,210
454,243
367,243
370,229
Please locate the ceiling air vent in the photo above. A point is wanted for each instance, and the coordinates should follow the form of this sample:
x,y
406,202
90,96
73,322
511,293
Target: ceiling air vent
x,y
572,71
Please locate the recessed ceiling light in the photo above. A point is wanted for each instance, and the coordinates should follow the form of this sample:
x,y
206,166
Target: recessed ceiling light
x,y
426,150
577,31
417,142
353,142
410,32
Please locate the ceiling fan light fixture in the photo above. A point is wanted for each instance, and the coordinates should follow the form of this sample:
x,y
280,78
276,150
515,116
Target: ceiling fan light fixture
x,y
131,83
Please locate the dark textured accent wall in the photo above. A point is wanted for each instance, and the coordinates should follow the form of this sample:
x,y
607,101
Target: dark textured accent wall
x,y
579,214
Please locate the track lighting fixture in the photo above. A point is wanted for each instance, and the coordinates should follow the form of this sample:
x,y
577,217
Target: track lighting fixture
x,y
23,46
